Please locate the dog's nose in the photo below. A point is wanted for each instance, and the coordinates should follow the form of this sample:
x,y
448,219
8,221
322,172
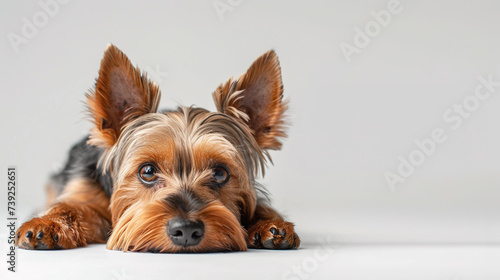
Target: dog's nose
x,y
184,232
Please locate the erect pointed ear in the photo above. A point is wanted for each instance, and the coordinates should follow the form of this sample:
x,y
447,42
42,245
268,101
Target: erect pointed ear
x,y
122,93
256,98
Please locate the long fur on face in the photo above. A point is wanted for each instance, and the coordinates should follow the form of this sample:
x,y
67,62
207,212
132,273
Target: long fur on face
x,y
174,181
184,146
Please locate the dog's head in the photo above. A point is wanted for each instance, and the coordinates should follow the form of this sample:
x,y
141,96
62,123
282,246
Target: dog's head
x,y
184,180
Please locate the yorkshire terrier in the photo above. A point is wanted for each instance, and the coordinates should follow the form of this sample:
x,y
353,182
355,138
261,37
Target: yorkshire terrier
x,y
169,181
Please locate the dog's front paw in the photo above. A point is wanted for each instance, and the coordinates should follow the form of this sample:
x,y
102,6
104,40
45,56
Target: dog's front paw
x,y
273,234
43,234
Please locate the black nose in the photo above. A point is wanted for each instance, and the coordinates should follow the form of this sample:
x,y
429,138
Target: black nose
x,y
184,232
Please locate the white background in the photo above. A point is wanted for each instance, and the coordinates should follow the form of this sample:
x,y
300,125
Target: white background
x,y
350,121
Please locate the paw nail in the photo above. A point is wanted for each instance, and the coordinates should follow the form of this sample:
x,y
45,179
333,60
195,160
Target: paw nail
x,y
269,244
29,234
39,235
56,238
257,237
274,231
285,245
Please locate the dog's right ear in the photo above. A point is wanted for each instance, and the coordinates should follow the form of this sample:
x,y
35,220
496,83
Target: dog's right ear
x,y
122,93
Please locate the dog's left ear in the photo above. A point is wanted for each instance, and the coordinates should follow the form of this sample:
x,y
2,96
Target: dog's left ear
x,y
122,93
256,98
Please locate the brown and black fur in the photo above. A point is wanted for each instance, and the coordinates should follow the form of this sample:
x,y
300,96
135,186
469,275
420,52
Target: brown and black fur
x,y
172,181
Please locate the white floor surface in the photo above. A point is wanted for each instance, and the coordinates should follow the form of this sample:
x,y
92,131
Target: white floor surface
x,y
316,259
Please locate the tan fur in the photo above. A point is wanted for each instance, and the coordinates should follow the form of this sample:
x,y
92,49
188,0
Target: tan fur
x,y
122,93
79,216
185,147
200,139
256,98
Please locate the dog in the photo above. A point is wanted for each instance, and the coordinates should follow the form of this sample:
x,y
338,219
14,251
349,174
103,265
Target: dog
x,y
169,181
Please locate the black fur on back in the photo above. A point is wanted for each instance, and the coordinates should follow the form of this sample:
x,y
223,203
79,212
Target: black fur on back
x,y
82,163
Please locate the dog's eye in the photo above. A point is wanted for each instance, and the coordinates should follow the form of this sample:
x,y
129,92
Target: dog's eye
x,y
220,175
147,173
